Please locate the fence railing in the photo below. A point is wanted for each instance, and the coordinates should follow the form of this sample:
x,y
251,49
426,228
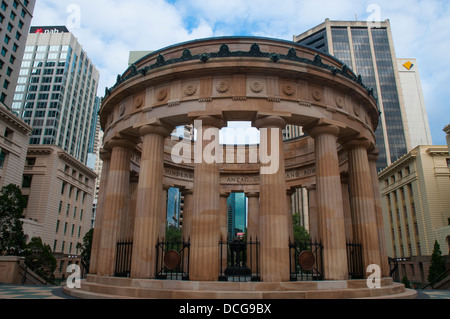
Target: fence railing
x,y
124,250
172,260
305,260
355,261
239,260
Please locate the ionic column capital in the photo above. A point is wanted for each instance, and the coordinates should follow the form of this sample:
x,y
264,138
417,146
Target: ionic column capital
x,y
252,194
155,127
290,191
224,195
105,154
373,155
323,129
121,142
352,143
270,121
211,121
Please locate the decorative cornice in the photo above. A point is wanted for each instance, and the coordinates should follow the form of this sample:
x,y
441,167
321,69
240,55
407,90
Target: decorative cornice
x,y
76,163
224,52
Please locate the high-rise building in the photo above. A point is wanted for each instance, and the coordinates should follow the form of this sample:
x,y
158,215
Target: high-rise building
x,y
59,191
13,147
237,214
56,90
416,112
173,207
15,19
367,48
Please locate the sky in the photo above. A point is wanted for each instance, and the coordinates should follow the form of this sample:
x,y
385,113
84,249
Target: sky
x,y
109,29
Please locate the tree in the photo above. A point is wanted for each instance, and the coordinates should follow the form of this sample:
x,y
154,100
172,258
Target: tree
x,y
40,256
86,247
173,234
12,204
406,282
437,266
300,233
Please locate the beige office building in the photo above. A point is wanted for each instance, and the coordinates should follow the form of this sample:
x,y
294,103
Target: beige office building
x,y
14,135
60,192
416,203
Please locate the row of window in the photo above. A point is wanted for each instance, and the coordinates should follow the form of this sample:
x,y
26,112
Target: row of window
x,y
403,211
63,244
397,176
65,229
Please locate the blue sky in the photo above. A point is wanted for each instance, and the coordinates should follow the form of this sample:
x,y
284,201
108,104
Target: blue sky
x,y
109,29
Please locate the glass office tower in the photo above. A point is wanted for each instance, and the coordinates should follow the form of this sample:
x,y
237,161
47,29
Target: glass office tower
x,y
367,48
15,19
56,90
237,214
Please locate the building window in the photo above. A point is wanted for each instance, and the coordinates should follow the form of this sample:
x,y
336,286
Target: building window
x,y
2,158
26,182
448,162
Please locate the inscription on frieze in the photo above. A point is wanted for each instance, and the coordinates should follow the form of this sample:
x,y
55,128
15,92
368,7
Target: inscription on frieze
x,y
178,173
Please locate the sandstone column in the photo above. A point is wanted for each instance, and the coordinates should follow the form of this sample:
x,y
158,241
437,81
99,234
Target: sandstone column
x,y
223,223
384,264
289,213
205,235
116,200
105,156
187,214
163,214
347,209
329,202
273,218
253,230
253,215
312,210
149,206
362,201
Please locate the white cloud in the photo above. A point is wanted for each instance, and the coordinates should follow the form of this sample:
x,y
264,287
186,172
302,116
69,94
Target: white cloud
x,y
111,28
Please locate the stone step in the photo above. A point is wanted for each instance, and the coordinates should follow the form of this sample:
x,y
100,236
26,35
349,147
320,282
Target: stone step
x,y
217,290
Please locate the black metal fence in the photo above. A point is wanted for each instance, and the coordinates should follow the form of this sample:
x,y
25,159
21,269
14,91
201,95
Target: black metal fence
x,y
355,261
172,260
305,260
239,260
124,250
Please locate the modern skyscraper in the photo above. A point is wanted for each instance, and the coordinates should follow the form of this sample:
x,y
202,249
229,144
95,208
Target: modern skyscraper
x,y
173,207
416,113
237,214
56,90
15,19
368,49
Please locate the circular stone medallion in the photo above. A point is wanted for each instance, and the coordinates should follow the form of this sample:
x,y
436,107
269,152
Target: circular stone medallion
x,y
306,260
172,259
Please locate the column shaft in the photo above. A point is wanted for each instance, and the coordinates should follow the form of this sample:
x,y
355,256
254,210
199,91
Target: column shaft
x,y
362,202
187,214
205,235
116,204
312,211
273,217
149,206
329,203
106,159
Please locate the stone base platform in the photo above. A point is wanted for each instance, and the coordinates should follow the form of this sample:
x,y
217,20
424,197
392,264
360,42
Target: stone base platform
x,y
96,287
